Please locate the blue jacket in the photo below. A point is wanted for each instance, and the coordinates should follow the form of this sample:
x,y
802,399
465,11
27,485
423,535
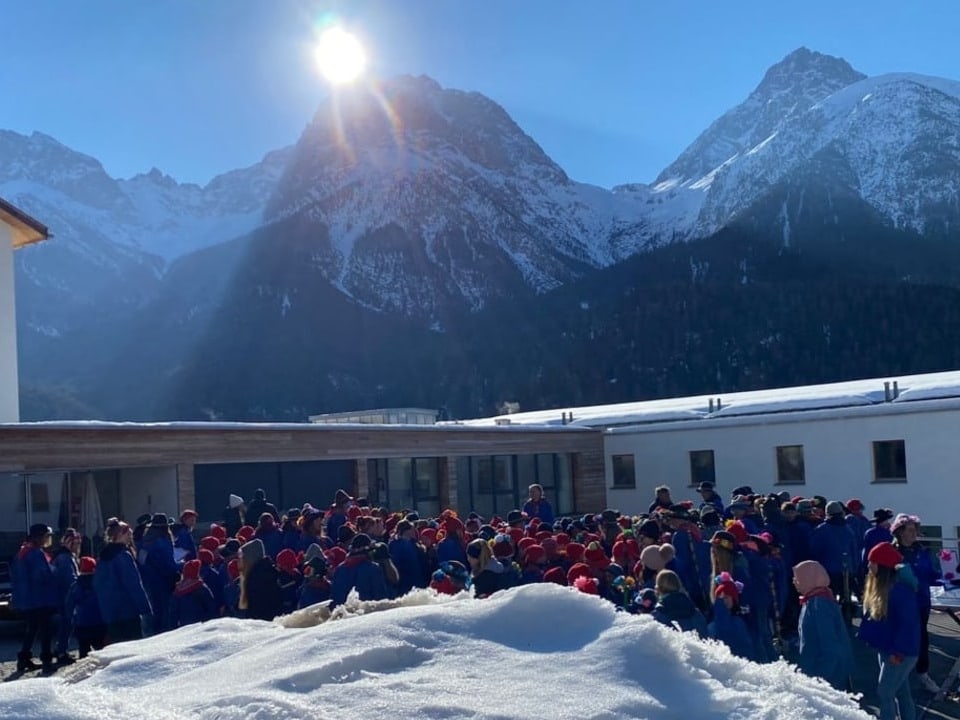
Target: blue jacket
x,y
824,643
688,565
231,597
799,532
334,523
360,572
192,604
406,558
731,630
158,570
215,579
925,569
183,539
272,541
859,526
716,502
65,572
313,591
678,611
873,537
832,545
899,632
117,583
541,510
451,549
82,604
33,582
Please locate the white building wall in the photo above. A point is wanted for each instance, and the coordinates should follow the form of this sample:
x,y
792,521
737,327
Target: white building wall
x,y
9,388
838,458
148,490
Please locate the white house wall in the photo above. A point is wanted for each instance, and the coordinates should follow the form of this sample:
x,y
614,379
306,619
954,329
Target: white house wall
x,y
838,458
148,490
9,390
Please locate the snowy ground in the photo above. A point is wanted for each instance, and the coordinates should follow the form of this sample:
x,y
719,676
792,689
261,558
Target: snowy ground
x,y
535,651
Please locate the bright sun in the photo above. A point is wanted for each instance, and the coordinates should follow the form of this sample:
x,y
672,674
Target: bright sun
x,y
340,56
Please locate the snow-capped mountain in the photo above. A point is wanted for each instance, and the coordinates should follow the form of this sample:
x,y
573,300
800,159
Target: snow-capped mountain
x,y
890,140
426,196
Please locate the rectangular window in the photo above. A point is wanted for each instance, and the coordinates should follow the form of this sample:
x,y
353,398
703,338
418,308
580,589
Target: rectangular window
x,y
701,467
790,470
932,537
624,471
39,497
889,461
400,483
563,488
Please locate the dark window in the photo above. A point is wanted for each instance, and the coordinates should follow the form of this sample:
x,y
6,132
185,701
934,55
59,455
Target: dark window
x,y
889,461
932,536
39,498
790,470
624,471
701,467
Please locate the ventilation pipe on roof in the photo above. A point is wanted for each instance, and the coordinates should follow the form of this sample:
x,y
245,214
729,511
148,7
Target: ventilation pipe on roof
x,y
719,405
711,404
563,418
896,389
886,392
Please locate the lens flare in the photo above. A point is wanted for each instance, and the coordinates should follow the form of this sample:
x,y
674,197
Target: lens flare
x,y
340,56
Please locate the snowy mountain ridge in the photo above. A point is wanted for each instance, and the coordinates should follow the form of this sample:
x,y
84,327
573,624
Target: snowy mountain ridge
x,y
415,197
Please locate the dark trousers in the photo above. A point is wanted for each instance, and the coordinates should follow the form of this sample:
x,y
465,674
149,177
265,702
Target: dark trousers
x,y
790,621
39,622
923,661
92,637
123,630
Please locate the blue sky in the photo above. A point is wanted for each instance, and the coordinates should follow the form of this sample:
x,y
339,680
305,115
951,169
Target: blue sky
x,y
613,90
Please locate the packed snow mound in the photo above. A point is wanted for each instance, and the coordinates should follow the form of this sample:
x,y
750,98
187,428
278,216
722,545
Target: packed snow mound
x,y
534,651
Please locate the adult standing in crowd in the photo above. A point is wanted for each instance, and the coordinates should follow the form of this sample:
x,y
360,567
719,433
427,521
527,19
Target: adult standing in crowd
x,y
116,580
662,500
65,571
183,537
234,515
926,569
709,496
260,595
158,569
259,505
35,597
891,625
537,506
880,532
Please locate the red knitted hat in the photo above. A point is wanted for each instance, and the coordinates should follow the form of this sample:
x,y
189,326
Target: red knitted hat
x,y
191,570
578,570
534,554
516,534
87,565
563,539
210,542
428,536
587,585
854,505
885,555
575,552
726,586
595,555
218,532
245,533
555,575
525,543
233,569
335,556
543,535
287,560
739,532
205,557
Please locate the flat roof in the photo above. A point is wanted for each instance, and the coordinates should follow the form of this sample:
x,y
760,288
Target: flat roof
x,y
377,411
26,229
855,393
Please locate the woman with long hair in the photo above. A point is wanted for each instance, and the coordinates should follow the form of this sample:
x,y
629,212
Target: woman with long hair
x,y
485,569
123,601
35,596
891,625
260,594
926,569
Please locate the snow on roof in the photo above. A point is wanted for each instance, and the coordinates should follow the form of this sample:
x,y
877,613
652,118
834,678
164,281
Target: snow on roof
x,y
755,402
433,657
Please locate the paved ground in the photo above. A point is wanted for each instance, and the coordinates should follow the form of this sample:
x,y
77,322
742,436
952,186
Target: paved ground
x,y
944,668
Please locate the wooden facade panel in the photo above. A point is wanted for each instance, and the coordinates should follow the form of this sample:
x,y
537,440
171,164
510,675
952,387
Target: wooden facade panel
x,y
589,481
53,447
186,488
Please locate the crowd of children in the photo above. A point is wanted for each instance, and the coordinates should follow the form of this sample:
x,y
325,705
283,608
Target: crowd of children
x,y
764,574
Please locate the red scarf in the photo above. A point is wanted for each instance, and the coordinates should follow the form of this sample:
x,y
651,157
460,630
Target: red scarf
x,y
818,592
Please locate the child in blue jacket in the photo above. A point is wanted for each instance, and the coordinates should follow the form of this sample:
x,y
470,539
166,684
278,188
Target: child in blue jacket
x,y
824,643
84,609
891,625
728,625
192,600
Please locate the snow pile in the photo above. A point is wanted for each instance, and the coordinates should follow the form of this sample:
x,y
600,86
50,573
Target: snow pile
x,y
535,651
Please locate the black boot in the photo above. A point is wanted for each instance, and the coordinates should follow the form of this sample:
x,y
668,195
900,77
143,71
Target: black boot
x,y
25,662
65,659
48,666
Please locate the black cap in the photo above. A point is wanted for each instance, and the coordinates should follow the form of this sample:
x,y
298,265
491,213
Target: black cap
x,y
514,516
160,520
229,548
705,485
742,490
142,520
38,531
360,541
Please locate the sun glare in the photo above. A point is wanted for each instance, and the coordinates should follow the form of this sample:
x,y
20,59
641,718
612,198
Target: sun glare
x,y
340,56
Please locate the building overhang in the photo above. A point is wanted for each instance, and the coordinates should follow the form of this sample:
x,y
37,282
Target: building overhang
x,y
25,229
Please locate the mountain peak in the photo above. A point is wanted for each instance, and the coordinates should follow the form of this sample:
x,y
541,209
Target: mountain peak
x,y
789,88
805,70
